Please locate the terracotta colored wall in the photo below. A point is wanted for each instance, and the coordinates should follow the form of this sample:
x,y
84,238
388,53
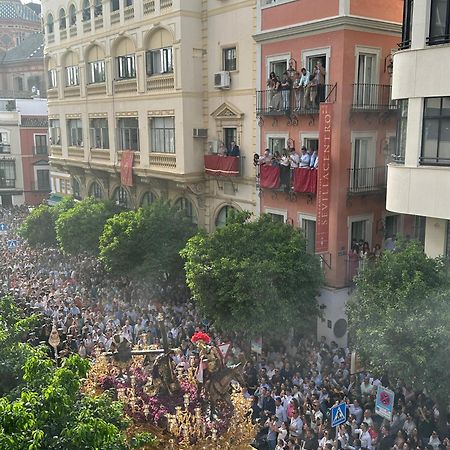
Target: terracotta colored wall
x,y
378,9
298,12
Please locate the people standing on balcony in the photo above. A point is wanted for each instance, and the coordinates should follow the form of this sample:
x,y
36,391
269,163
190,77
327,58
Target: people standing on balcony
x,y
304,158
319,74
313,158
266,158
285,169
274,85
311,92
286,91
294,158
233,150
300,82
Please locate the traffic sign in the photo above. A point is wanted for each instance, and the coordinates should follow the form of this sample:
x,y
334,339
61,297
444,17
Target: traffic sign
x,y
3,227
384,403
338,414
12,244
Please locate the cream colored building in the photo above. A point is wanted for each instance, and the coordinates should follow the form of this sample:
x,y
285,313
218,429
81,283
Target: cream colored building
x,y
419,182
169,79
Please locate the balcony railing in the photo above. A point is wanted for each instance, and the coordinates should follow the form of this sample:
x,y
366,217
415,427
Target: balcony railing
x,y
163,160
128,12
294,101
367,180
161,82
115,17
222,166
373,97
40,150
436,40
166,4
7,183
5,148
280,178
149,6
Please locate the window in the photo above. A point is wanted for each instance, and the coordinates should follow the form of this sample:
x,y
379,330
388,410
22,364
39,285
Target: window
x,y
229,136
86,11
436,132
279,67
121,197
97,72
95,191
115,5
62,19
50,24
7,174
162,134
5,146
407,24
72,16
308,225
72,76
55,132
98,133
159,61
52,79
126,67
229,59
40,144
128,3
359,231
277,217
76,189
362,171
224,214
43,179
391,226
419,229
399,154
75,133
98,8
366,93
311,144
148,198
276,144
439,22
185,205
34,84
128,133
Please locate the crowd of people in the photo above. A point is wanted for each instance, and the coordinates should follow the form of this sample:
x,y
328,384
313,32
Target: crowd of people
x,y
308,89
292,385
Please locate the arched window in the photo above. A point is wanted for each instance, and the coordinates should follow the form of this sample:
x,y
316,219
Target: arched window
x,y
50,24
72,15
71,68
186,206
62,19
76,189
223,215
158,57
125,59
120,197
98,8
86,11
148,198
96,191
95,67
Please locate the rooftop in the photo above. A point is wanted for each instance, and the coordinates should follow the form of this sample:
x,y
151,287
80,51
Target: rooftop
x,y
11,10
32,47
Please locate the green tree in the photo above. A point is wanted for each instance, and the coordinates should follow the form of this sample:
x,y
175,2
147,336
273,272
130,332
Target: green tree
x,y
399,318
146,243
39,227
78,229
254,277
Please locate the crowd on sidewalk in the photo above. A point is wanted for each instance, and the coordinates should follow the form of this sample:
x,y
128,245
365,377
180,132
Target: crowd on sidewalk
x,y
292,386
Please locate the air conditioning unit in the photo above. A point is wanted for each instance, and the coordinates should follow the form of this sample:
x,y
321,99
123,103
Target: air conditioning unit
x,y
200,132
213,146
222,80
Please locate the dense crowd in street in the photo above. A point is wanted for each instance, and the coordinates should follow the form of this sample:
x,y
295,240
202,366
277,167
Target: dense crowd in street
x,y
292,386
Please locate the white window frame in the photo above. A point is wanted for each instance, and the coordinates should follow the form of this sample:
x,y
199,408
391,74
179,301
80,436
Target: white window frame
x,y
400,221
99,132
274,58
278,212
284,136
369,226
165,60
72,76
373,136
52,79
153,138
370,51
308,53
128,66
223,49
272,3
303,136
310,217
46,141
93,69
42,167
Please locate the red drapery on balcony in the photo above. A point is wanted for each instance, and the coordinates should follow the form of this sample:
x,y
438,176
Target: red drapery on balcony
x,y
126,168
305,180
269,177
222,166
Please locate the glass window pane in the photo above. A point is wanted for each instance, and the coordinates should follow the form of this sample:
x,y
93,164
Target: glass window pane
x,y
438,20
432,106
430,139
444,142
446,106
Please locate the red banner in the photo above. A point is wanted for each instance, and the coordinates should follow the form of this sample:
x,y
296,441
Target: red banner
x,y
305,180
323,181
126,168
269,177
221,166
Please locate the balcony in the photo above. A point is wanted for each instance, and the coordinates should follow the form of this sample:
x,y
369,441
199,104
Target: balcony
x,y
100,155
373,97
75,152
96,89
73,31
269,103
165,4
163,160
222,166
115,17
87,26
56,151
7,183
301,180
125,85
128,12
367,180
63,34
40,150
98,22
149,6
51,38
5,148
72,91
161,82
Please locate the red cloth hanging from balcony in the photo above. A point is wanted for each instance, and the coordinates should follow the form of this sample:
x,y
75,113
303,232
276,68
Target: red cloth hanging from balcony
x,y
269,177
221,166
305,180
126,168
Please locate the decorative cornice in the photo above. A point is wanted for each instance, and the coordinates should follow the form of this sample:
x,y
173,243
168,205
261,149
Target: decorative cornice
x,y
329,24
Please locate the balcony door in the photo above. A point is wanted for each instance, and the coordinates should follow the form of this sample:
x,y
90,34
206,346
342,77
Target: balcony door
x,y
363,162
366,87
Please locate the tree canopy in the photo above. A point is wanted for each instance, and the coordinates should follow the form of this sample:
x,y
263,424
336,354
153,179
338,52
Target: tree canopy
x,y
146,242
254,277
399,317
78,229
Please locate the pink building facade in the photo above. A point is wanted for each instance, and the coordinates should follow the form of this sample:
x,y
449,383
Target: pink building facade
x,y
353,41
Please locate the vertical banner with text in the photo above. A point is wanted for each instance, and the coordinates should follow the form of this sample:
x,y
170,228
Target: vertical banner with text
x,y
126,168
323,178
